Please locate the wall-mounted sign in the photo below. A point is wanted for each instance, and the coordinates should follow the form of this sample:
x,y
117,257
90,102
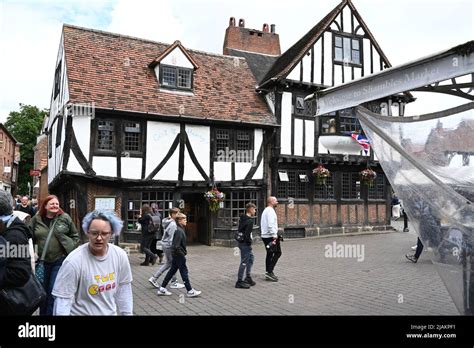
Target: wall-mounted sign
x,y
35,172
7,169
105,203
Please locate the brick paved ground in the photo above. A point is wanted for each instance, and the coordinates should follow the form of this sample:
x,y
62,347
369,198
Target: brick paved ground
x,y
310,283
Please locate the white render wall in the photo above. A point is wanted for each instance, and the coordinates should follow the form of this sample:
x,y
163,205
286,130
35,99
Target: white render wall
x,y
285,134
160,137
199,138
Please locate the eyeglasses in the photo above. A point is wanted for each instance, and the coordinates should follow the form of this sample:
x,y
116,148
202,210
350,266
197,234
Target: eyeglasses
x,y
95,234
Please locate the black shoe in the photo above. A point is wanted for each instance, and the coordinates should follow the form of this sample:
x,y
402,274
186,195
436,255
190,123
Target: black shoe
x,y
242,285
271,277
153,260
144,264
249,281
412,258
406,230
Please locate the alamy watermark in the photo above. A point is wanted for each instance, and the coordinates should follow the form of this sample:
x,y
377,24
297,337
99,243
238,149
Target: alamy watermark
x,y
229,155
335,250
78,110
12,251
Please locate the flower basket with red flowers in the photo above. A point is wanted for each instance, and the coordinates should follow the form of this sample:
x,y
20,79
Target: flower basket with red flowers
x,y
214,197
321,174
367,176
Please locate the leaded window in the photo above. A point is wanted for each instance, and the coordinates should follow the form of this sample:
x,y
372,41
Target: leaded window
x,y
222,140
176,77
105,135
132,137
294,187
234,207
350,186
234,146
377,190
348,121
325,191
347,50
136,199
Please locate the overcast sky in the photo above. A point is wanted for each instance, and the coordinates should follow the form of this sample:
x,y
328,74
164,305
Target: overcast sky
x,y
30,32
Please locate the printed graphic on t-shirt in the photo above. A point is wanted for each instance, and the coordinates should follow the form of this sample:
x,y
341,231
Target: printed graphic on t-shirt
x,y
102,283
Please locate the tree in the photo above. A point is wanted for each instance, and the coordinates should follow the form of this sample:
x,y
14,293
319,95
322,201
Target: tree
x,y
25,126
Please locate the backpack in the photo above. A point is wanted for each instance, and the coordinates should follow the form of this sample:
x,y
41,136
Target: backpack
x,y
155,224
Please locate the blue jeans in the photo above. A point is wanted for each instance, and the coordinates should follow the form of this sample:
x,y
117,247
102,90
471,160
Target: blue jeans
x,y
51,270
246,260
178,263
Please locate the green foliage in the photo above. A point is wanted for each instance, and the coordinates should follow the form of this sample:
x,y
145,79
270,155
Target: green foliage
x,y
25,126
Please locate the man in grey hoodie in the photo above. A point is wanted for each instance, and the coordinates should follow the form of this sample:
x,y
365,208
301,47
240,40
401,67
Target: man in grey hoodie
x,y
169,227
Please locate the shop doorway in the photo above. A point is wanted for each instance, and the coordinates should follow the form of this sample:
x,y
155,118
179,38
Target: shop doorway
x,y
195,208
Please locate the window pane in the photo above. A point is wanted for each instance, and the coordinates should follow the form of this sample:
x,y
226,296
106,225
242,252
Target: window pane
x,y
324,191
355,44
222,141
243,147
105,137
184,78
338,53
338,41
347,49
355,57
132,136
169,76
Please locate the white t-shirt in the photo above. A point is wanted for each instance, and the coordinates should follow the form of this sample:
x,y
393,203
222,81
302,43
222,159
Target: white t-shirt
x,y
91,281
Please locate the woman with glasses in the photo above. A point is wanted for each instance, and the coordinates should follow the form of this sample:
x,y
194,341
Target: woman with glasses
x,y
96,278
56,236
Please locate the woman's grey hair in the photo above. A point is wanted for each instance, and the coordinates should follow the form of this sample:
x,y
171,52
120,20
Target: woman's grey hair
x,y
6,203
104,215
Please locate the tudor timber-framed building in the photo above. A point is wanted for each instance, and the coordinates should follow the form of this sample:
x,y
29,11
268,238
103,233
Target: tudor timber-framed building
x,y
135,121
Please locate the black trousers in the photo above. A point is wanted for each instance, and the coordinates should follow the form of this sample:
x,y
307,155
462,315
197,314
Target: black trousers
x,y
272,255
419,248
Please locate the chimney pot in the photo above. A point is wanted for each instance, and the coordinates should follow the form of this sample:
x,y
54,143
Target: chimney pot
x,y
272,30
265,28
232,22
242,23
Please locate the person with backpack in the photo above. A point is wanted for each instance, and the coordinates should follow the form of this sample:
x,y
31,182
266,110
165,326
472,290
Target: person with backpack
x,y
156,247
14,271
148,234
244,238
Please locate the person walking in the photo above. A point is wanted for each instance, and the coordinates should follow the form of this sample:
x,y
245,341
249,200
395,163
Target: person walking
x,y
269,235
26,207
245,247
56,236
419,248
156,247
178,250
169,226
147,238
96,278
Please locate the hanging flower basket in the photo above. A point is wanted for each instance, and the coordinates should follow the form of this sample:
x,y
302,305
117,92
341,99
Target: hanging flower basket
x,y
367,176
214,197
321,174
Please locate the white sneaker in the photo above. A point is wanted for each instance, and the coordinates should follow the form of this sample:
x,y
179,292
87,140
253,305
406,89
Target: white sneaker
x,y
414,247
193,293
163,292
154,282
176,285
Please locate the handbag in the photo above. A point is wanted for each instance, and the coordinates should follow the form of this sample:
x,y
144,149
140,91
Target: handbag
x,y
23,300
40,265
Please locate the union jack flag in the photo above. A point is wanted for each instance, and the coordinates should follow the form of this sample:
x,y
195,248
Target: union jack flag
x,y
362,140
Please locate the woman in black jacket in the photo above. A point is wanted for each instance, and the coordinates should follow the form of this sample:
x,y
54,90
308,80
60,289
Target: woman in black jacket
x,y
147,237
15,269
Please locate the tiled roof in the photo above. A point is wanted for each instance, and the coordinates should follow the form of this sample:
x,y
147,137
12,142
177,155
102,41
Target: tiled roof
x,y
112,71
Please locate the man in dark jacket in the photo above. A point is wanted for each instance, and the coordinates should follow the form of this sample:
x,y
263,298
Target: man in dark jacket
x,y
15,269
245,247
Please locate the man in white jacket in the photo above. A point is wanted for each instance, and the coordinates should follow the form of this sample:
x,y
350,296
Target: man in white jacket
x,y
269,234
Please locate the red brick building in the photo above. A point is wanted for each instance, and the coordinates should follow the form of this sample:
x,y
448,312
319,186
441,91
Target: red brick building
x,y
9,159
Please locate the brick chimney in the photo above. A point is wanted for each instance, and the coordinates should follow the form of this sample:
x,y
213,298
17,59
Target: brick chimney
x,y
240,38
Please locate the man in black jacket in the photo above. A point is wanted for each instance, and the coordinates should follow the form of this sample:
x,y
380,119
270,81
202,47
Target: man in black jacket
x,y
245,247
15,266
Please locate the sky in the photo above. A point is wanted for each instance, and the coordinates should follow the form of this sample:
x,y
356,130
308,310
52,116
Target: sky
x,y
30,32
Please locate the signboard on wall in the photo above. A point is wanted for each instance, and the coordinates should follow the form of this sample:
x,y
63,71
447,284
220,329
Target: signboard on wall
x,y
105,203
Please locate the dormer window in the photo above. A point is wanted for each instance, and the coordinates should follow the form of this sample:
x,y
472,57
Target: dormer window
x,y
175,68
347,50
176,77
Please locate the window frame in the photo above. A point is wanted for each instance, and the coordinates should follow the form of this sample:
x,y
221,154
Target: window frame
x,y
338,124
373,193
293,188
57,80
233,143
234,207
105,152
176,82
357,38
132,153
353,189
